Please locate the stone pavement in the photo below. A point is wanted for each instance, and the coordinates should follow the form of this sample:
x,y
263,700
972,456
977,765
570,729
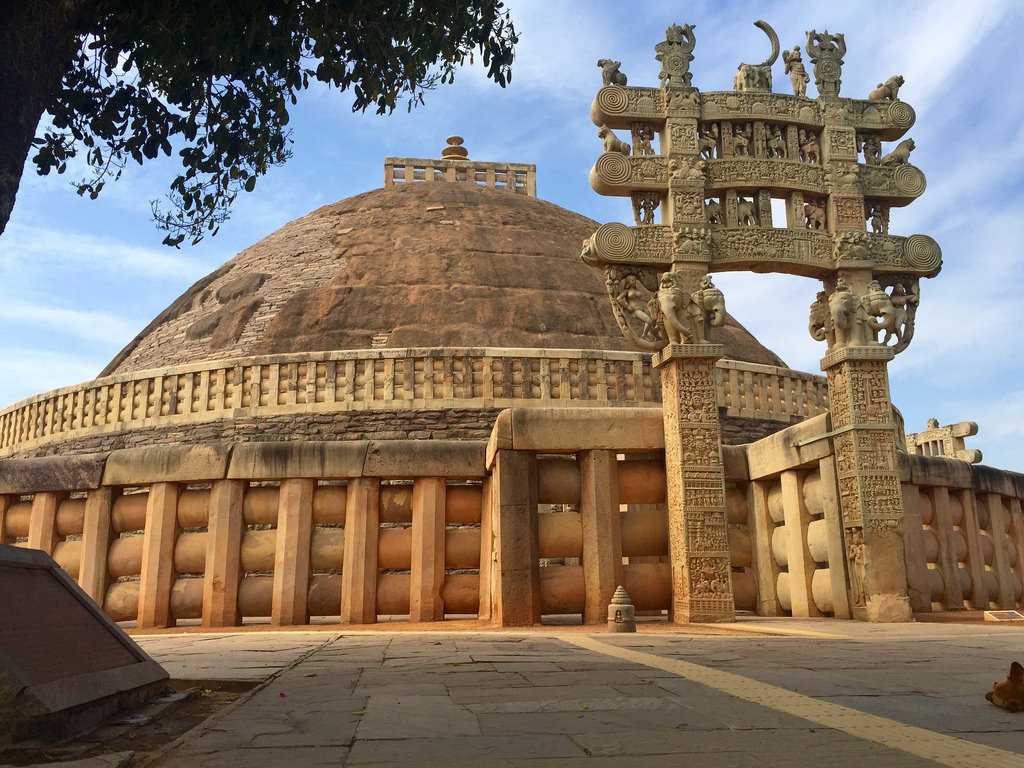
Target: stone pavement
x,y
822,694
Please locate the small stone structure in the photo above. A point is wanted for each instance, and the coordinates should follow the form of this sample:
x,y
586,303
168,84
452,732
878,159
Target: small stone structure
x,y
64,665
621,612
455,166
945,441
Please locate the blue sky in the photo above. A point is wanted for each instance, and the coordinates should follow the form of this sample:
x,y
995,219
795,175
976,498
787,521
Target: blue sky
x,y
79,278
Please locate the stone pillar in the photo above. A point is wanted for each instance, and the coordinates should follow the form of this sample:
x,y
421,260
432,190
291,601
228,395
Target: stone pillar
x,y
428,531
359,565
766,570
5,503
763,202
602,532
834,541
223,572
801,564
870,498
516,567
42,526
795,210
918,585
290,604
487,553
695,479
96,535
157,576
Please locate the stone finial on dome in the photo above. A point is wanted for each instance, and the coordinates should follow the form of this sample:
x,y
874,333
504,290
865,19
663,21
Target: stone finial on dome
x,y
455,150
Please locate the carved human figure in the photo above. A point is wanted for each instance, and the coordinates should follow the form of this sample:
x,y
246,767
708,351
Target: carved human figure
x,y
686,315
644,206
634,299
643,135
810,151
713,212
745,213
610,74
900,155
871,146
775,142
742,135
685,99
798,76
612,143
814,215
878,215
889,90
708,141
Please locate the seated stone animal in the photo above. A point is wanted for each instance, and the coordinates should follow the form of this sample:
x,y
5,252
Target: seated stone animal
x,y
610,74
887,91
900,155
612,143
1009,694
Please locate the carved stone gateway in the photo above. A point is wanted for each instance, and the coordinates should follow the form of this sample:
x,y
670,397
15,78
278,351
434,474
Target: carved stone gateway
x,y
702,203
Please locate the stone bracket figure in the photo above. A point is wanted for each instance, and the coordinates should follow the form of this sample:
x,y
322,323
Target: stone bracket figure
x,y
686,315
644,206
845,319
826,52
612,143
798,76
900,155
634,301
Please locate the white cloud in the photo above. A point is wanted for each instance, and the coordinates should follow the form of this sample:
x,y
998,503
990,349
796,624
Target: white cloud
x,y
28,245
101,327
26,372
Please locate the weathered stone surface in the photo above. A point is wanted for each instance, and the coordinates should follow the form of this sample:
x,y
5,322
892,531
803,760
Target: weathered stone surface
x,y
425,458
310,459
52,473
935,470
487,269
991,480
166,463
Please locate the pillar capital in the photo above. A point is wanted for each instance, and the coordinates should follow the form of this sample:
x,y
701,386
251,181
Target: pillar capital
x,y
686,352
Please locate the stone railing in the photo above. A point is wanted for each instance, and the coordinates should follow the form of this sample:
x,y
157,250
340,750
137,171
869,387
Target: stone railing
x,y
383,380
520,178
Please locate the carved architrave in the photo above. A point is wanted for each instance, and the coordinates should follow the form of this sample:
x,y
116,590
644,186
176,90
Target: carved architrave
x,y
839,143
764,172
849,212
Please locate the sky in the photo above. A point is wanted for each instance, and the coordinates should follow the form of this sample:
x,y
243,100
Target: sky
x,y
79,278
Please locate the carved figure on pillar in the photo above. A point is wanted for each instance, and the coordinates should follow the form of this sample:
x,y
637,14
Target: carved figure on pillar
x,y
775,143
742,136
878,215
675,55
745,215
798,76
612,143
686,314
814,215
708,142
889,90
758,77
643,135
826,52
871,146
810,152
900,155
644,206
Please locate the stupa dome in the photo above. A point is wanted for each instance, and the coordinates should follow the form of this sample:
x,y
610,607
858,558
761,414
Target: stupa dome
x,y
409,265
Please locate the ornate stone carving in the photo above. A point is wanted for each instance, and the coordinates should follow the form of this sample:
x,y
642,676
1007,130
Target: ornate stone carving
x,y
683,101
713,212
871,146
848,320
889,90
758,77
643,135
775,143
810,151
900,155
612,143
878,215
684,139
610,74
814,215
798,77
683,169
675,55
826,52
746,215
732,173
742,137
685,313
644,206
708,142
633,294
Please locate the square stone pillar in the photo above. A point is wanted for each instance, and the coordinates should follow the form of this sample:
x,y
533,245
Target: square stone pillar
x,y
42,526
223,554
359,564
602,532
515,570
157,576
96,535
695,480
867,476
428,552
289,604
5,503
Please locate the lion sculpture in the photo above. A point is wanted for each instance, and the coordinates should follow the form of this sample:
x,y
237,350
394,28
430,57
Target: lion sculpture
x,y
900,155
610,74
889,90
612,143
